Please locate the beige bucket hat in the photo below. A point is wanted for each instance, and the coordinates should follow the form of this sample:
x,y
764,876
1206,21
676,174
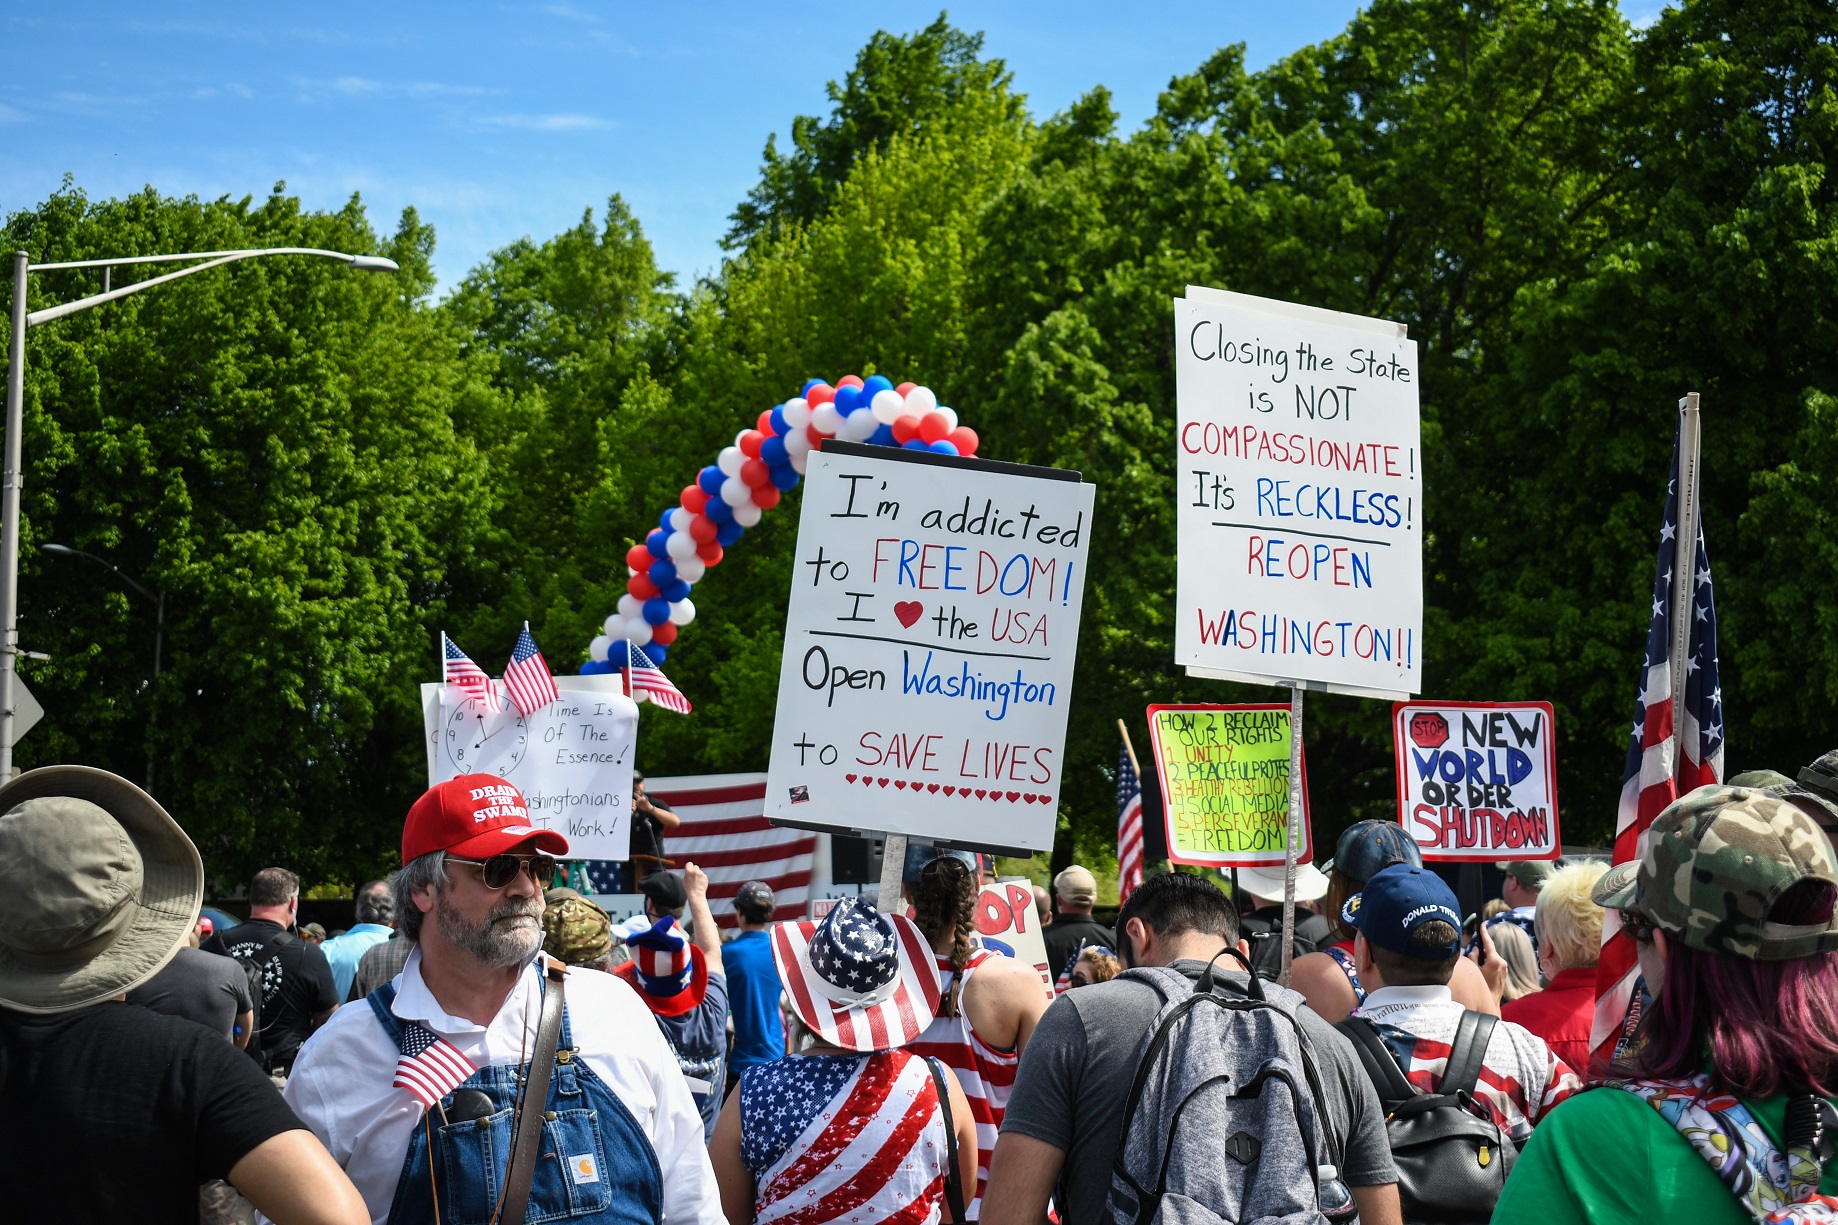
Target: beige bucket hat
x,y
99,887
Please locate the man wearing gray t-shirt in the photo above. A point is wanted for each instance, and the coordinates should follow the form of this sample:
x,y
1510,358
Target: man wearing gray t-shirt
x,y
1064,1125
201,987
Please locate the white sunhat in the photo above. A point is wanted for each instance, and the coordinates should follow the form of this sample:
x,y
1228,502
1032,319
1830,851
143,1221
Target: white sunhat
x,y
1267,882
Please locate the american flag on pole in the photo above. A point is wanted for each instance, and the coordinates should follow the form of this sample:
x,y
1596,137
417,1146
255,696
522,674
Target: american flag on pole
x,y
467,677
644,679
1660,768
1129,825
531,685
429,1068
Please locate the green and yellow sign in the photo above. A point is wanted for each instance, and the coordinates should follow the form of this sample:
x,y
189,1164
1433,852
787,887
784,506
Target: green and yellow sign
x,y
1225,783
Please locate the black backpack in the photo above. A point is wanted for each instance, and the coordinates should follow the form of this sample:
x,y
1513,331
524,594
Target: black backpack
x,y
254,966
1452,1158
1266,941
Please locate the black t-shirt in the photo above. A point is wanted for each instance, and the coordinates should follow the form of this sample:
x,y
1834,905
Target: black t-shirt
x,y
116,1113
1069,934
296,985
647,834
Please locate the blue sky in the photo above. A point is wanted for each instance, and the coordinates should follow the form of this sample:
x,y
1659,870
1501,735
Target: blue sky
x,y
502,120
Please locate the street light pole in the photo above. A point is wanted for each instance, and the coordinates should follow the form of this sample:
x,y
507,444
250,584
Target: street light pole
x,y
12,477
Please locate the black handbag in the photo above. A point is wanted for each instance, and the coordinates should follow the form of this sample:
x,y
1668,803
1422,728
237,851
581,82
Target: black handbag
x,y
1452,1158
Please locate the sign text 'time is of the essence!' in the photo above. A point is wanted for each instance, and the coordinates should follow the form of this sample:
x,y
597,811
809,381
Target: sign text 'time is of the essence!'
x,y
929,644
1299,496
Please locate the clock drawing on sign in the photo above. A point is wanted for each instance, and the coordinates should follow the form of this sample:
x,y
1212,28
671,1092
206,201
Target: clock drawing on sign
x,y
479,741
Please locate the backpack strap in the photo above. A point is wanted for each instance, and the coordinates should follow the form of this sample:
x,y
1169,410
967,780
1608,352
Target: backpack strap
x,y
1381,1066
954,1178
1468,1052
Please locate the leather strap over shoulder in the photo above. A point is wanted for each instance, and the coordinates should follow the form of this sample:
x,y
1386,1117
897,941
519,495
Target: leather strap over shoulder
x,y
954,1178
1468,1052
1381,1067
527,1126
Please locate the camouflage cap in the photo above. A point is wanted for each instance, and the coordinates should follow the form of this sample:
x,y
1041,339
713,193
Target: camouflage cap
x,y
576,931
1716,862
1822,775
1821,806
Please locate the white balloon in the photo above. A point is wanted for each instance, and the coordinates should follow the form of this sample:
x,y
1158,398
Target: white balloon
x,y
886,406
679,520
798,443
797,413
860,427
683,612
747,515
730,460
920,401
639,632
598,648
691,569
629,607
735,492
800,462
680,544
950,416
611,625
827,419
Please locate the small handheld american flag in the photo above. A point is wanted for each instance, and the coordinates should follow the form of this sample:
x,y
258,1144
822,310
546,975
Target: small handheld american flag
x,y
527,677
1129,824
645,679
467,677
429,1067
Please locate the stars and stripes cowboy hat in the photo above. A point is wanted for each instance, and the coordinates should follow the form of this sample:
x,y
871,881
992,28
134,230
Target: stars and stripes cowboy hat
x,y
859,979
671,974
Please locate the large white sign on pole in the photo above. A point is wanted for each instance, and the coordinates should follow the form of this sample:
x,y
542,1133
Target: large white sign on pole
x,y
929,645
1299,495
572,759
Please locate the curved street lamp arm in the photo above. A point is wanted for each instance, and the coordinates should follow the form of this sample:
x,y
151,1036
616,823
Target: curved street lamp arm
x,y
105,563
216,259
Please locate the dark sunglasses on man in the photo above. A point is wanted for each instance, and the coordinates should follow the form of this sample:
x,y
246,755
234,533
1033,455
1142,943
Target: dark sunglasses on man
x,y
500,870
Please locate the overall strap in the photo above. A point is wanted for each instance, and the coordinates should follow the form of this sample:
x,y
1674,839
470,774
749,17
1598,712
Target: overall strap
x,y
1468,1052
527,1133
379,1001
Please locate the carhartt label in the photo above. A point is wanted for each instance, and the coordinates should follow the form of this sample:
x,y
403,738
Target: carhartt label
x,y
584,1169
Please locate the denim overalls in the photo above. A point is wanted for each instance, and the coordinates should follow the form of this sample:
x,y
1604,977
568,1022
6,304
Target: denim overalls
x,y
595,1164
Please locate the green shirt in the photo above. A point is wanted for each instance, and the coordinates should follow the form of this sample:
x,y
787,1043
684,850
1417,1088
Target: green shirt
x,y
1606,1157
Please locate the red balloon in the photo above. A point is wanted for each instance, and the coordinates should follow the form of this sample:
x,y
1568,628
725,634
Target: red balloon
x,y
903,388
639,558
663,635
702,529
933,427
641,586
964,439
765,422
815,435
905,429
749,443
822,393
849,380
694,499
754,472
710,554
766,496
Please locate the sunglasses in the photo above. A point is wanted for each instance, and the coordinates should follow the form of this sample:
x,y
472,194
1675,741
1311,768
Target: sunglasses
x,y
1638,926
501,870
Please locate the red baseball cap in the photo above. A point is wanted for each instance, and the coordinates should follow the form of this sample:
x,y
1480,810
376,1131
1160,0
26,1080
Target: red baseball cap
x,y
474,816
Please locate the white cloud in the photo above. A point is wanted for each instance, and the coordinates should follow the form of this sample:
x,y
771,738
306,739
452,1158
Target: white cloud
x,y
10,115
547,123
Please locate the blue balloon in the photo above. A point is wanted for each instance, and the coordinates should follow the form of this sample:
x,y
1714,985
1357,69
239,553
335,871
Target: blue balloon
x,y
718,511
808,384
657,610
663,521
785,478
779,424
883,437
655,543
674,591
710,479
944,446
913,444
773,452
874,383
595,667
729,532
848,399
662,573
654,651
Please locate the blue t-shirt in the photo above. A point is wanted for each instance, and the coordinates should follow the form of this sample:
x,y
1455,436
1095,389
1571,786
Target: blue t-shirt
x,y
700,1037
753,994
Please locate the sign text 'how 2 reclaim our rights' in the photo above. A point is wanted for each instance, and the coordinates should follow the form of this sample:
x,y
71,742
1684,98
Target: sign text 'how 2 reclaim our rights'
x,y
1299,496
1225,784
929,647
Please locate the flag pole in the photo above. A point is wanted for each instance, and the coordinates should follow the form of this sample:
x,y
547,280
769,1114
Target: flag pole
x,y
1295,816
1684,564
1129,748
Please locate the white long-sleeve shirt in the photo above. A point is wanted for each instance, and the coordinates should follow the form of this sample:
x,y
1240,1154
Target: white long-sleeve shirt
x,y
340,1084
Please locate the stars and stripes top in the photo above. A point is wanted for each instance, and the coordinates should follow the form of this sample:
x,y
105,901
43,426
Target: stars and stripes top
x,y
459,671
527,677
429,1067
856,1139
987,1073
1129,825
1521,1078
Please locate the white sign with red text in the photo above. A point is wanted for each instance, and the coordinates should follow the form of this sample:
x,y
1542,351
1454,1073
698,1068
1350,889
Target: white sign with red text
x,y
1007,922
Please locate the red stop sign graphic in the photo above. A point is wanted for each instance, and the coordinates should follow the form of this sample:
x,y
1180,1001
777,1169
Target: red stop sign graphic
x,y
1429,730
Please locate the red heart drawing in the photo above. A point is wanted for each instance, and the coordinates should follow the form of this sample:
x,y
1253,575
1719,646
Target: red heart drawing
x,y
883,781
995,796
850,777
1013,796
908,611
900,783
1029,796
866,781
980,793
949,790
932,787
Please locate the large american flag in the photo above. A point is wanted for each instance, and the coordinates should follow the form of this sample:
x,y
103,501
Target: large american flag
x,y
1660,767
429,1067
645,679
531,685
1129,825
466,676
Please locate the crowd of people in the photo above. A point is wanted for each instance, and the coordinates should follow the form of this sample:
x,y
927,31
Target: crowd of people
x,y
486,1045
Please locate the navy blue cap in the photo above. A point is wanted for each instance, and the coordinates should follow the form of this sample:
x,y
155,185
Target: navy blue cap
x,y
1369,847
918,854
1398,901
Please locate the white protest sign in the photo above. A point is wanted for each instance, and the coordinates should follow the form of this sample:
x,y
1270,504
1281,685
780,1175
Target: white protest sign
x,y
572,759
1007,922
929,645
1478,780
1299,496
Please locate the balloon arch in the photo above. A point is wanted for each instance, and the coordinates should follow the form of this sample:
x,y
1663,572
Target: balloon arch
x,y
747,480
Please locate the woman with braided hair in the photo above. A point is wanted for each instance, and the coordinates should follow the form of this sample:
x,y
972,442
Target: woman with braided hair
x,y
988,1005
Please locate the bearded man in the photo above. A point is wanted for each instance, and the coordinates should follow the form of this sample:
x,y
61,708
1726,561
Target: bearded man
x,y
418,1091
